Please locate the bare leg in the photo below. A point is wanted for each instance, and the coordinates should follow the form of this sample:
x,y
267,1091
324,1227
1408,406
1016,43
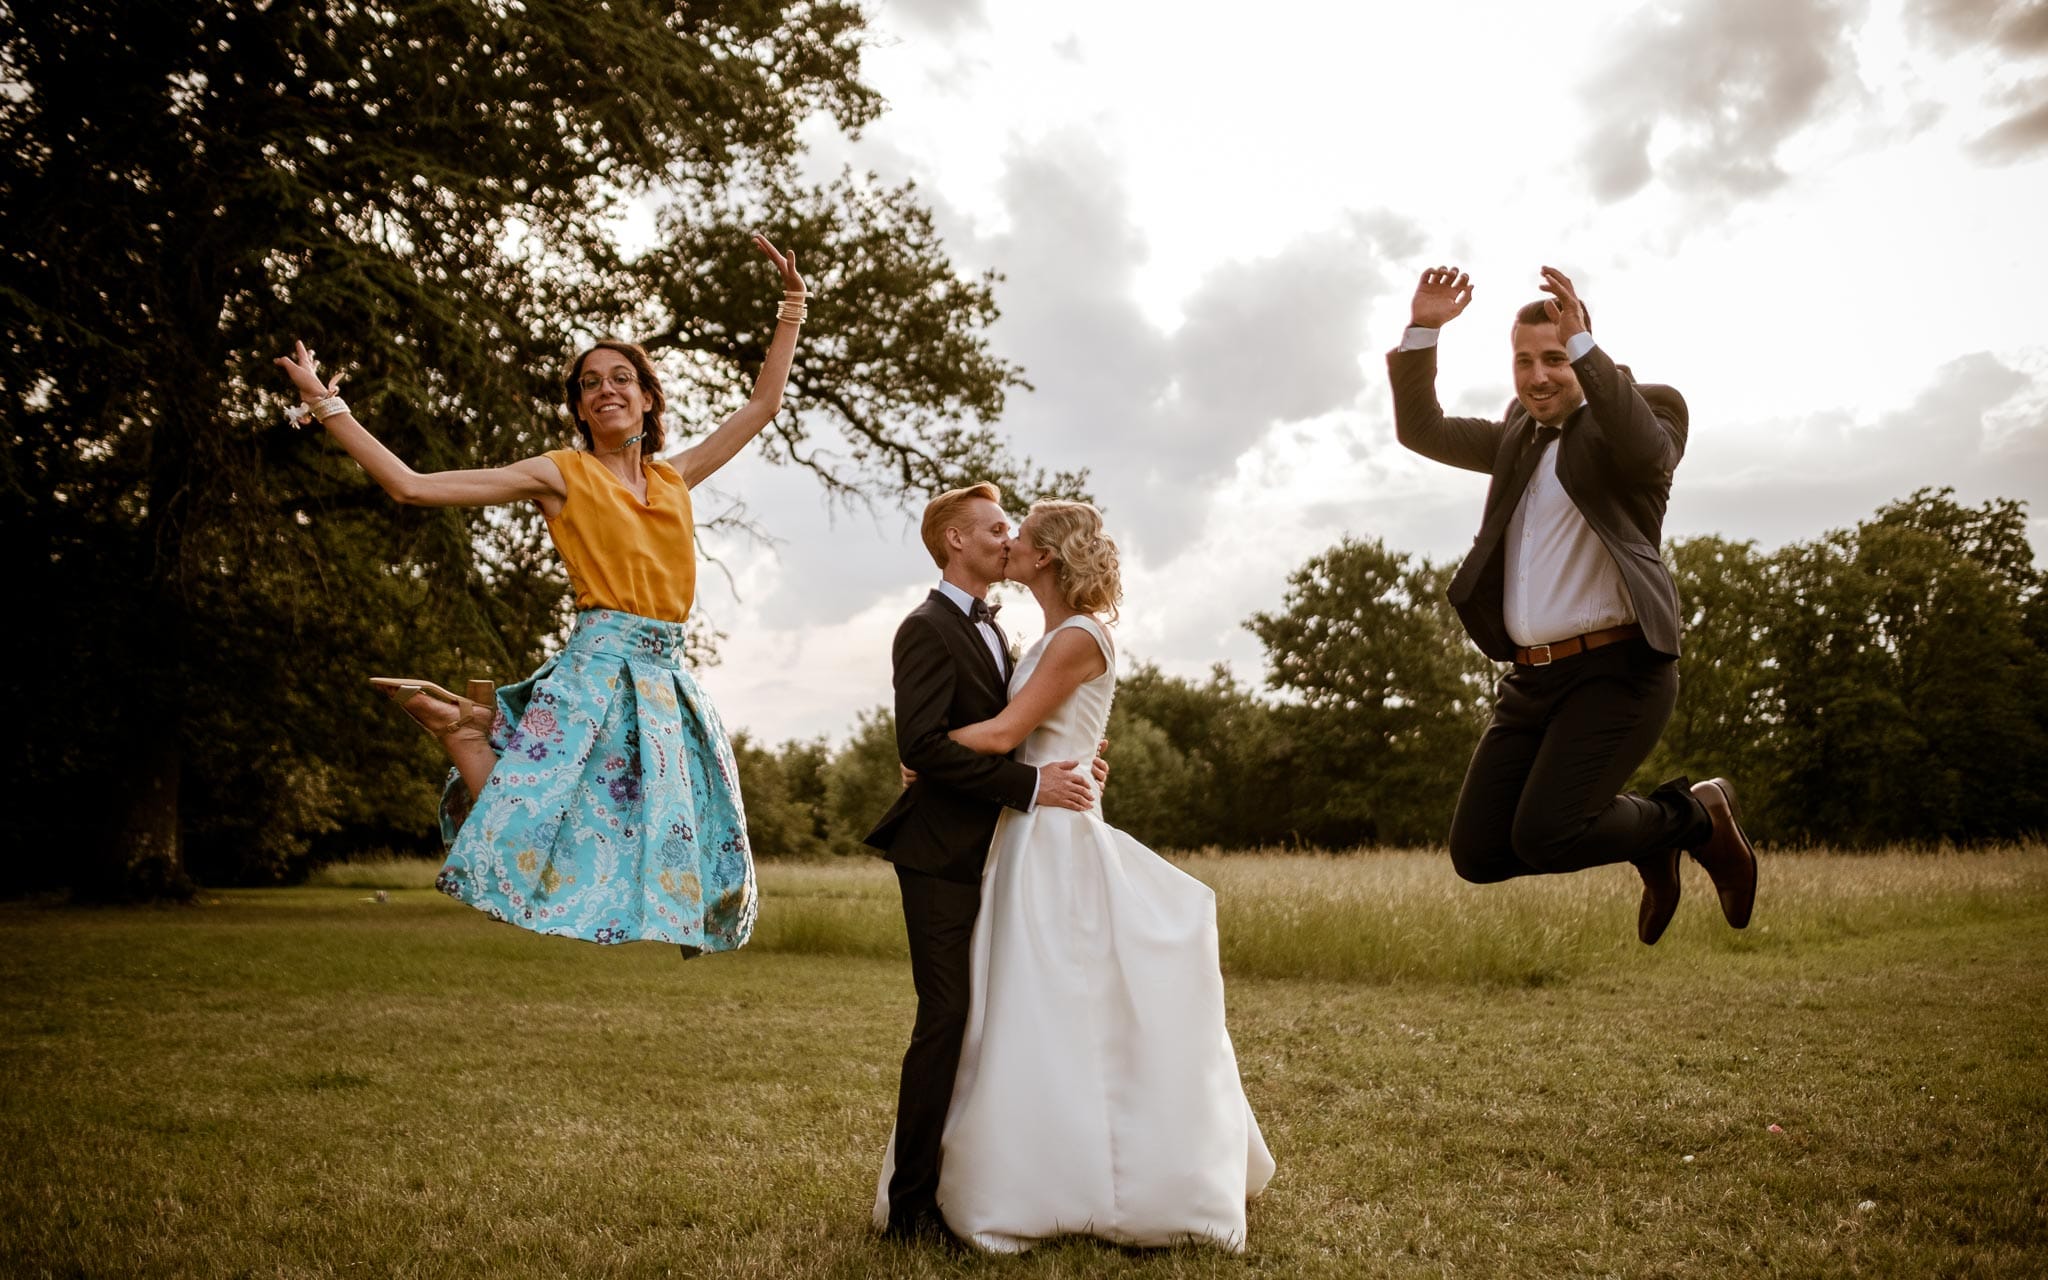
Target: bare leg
x,y
463,730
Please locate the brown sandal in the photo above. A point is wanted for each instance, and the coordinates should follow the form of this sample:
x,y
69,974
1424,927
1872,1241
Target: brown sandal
x,y
475,712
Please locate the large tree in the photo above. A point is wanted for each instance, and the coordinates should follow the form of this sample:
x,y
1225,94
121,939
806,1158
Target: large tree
x,y
1384,693
434,196
1198,763
1911,684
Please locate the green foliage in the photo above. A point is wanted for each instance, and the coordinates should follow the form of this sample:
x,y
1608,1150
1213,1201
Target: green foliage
x,y
807,800
431,195
1880,684
782,797
1197,763
1727,676
861,782
1158,792
1384,696
1911,689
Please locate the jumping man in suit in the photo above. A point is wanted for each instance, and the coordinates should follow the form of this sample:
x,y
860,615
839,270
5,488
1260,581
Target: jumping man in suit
x,y
1564,580
952,667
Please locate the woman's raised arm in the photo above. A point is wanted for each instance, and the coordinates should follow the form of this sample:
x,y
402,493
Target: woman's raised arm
x,y
701,460
530,479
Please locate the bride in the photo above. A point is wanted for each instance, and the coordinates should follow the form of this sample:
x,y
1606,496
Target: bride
x,y
1098,1092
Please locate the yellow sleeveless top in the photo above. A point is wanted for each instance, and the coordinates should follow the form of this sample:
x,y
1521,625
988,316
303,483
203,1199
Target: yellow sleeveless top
x,y
622,554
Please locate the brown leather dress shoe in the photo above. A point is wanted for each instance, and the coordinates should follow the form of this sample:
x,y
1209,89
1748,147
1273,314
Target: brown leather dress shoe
x,y
1660,894
1727,855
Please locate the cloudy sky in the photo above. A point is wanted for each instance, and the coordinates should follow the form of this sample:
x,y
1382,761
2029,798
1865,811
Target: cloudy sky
x,y
1820,221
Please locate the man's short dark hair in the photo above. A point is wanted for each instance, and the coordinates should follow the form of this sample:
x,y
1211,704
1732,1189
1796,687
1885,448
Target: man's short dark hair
x,y
1535,314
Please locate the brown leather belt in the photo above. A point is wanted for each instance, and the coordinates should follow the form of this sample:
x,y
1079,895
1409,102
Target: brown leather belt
x,y
1542,655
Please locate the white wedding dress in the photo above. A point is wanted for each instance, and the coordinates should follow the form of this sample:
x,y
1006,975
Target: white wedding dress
x,y
1098,1091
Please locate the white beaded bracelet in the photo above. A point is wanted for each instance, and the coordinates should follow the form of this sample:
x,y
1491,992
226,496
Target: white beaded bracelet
x,y
322,410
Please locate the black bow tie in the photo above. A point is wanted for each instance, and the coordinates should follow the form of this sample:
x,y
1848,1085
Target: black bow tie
x,y
983,611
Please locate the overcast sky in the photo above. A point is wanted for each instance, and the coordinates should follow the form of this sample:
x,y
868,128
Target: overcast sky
x,y
1822,222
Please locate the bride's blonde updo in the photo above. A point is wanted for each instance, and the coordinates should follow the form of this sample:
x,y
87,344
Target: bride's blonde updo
x,y
1084,558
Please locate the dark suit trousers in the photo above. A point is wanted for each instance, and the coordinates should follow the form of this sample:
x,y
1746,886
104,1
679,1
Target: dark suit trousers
x,y
940,917
1540,795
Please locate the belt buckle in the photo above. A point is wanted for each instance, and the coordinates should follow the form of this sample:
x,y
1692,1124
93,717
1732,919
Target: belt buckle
x,y
1533,661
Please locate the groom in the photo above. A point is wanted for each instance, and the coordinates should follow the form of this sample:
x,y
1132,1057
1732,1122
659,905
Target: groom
x,y
1564,580
952,668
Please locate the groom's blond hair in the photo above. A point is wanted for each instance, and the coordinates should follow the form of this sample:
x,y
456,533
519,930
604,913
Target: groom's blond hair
x,y
944,512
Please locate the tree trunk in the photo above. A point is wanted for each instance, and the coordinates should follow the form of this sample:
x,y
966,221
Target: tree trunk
x,y
145,860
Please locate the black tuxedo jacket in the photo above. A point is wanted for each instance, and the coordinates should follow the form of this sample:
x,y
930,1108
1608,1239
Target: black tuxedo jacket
x,y
946,677
1614,460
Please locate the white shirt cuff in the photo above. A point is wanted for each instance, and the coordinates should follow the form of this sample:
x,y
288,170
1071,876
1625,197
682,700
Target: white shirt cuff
x,y
1418,338
1576,346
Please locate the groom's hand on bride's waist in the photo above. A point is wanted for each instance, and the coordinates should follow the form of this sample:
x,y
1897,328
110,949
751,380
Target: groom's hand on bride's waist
x,y
1062,786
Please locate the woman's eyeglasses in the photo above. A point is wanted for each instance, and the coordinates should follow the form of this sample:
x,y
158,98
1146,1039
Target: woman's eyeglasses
x,y
618,379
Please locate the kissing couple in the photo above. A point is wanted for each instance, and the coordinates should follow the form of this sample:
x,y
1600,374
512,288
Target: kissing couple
x,y
1069,1072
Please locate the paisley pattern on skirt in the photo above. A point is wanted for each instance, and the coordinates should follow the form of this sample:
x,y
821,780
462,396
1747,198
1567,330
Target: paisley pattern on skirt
x,y
614,813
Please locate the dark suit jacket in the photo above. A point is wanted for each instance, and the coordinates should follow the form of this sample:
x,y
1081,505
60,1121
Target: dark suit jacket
x,y
946,677
1614,460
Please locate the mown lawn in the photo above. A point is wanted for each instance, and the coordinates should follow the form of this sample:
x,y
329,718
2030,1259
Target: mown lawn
x,y
1455,1081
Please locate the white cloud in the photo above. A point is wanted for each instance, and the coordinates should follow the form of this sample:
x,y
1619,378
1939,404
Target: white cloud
x,y
1160,418
2022,134
1705,93
941,18
1980,426
2002,44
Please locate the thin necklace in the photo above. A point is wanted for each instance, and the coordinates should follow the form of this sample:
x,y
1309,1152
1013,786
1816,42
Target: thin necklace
x,y
630,442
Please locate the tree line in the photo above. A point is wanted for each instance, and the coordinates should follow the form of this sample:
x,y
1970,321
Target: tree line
x,y
1886,684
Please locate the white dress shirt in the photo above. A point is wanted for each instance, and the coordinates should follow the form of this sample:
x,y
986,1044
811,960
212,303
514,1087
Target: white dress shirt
x,y
988,632
1558,581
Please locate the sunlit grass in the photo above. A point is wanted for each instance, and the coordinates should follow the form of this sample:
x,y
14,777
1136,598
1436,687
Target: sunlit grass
x,y
1455,1080
386,872
1390,916
1387,916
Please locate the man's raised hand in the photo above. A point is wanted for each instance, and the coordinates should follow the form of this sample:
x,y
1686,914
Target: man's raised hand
x,y
1563,306
1440,298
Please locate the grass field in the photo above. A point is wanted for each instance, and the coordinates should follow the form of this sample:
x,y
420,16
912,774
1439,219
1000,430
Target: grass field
x,y
1455,1081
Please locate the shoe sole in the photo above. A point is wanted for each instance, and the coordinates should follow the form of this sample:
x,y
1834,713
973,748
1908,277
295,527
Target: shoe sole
x,y
1748,850
1644,934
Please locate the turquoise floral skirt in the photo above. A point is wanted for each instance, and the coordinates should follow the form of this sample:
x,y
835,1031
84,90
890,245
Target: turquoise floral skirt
x,y
613,814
